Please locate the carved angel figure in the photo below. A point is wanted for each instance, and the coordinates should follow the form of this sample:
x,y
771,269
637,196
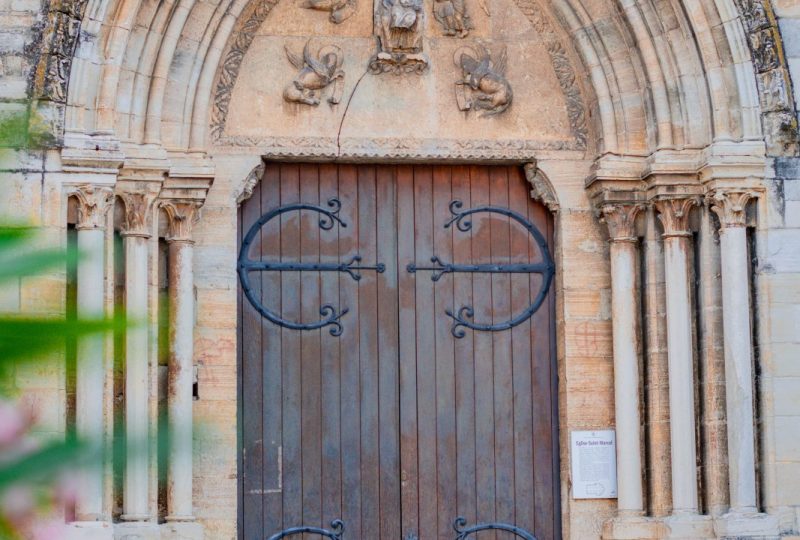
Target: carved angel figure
x,y
483,85
452,15
316,74
340,10
400,23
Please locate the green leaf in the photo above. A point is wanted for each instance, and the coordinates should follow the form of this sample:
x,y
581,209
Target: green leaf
x,y
41,466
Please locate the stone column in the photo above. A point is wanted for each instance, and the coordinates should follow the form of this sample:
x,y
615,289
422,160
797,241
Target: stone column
x,y
620,220
674,215
730,207
136,235
181,215
93,205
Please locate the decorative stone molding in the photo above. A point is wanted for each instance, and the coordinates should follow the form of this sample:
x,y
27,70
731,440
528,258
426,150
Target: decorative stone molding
x,y
730,206
138,212
674,214
772,76
181,216
250,183
541,188
620,219
94,202
516,150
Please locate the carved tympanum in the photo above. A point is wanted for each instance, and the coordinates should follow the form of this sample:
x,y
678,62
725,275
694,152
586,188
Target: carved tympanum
x,y
453,16
674,215
316,74
340,10
483,85
399,24
730,206
94,203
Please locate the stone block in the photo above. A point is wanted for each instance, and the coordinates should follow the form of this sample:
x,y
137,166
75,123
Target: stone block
x,y
633,528
686,527
89,530
787,442
178,530
137,531
786,396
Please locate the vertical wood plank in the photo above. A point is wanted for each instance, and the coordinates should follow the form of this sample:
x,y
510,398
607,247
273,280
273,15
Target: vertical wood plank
x,y
483,346
388,377
350,357
291,289
503,377
542,399
444,349
330,365
310,377
409,474
252,455
368,335
464,360
426,366
271,358
521,240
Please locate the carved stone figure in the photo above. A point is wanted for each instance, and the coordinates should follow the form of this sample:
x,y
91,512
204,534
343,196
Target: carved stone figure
x,y
399,24
316,74
452,15
483,85
340,10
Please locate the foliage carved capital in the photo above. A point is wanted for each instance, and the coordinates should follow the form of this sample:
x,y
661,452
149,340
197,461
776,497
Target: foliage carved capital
x,y
620,218
138,212
730,206
94,202
674,214
181,215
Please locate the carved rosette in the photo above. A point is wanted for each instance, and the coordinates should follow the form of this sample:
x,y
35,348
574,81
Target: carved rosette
x,y
181,215
94,202
730,206
138,211
620,218
674,215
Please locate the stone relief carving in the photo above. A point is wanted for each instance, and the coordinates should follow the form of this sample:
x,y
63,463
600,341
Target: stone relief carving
x,y
250,183
541,188
399,25
340,10
316,74
765,50
453,16
483,86
59,40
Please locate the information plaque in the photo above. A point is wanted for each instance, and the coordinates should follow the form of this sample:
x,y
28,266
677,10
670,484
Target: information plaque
x,y
594,464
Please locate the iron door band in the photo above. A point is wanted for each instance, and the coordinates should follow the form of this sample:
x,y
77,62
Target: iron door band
x,y
463,317
328,217
336,532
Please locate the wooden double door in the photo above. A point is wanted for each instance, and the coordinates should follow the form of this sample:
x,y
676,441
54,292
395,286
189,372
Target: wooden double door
x,y
404,420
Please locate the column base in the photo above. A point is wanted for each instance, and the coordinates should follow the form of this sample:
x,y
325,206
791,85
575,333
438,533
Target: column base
x,y
689,527
181,530
137,530
633,528
742,525
89,530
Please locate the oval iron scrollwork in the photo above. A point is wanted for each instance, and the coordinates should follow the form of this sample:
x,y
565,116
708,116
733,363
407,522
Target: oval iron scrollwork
x,y
334,533
328,217
462,531
463,317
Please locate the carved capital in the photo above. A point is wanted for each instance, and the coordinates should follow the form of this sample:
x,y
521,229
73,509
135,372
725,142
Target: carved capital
x,y
730,206
138,212
94,203
621,220
674,215
182,216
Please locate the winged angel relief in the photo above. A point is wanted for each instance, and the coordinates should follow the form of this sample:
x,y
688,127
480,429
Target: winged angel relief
x,y
316,74
483,85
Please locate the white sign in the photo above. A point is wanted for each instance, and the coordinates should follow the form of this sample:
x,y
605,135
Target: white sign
x,y
594,464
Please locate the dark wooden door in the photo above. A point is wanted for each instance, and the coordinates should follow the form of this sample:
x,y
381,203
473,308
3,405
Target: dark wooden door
x,y
396,426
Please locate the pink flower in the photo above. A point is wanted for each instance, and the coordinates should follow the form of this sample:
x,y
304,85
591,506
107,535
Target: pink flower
x,y
13,424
